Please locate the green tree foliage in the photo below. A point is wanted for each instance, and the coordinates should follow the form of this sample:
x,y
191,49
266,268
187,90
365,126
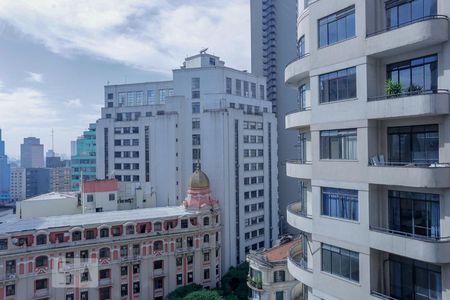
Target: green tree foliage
x,y
234,282
203,295
181,292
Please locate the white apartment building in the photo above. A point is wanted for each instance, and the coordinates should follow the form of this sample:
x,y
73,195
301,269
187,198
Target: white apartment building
x,y
18,184
155,133
132,254
374,149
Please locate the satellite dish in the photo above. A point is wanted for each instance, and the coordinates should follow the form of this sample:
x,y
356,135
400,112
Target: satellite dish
x,y
203,51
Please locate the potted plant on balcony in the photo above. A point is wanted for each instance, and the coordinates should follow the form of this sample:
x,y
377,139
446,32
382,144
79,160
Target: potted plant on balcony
x,y
392,88
415,89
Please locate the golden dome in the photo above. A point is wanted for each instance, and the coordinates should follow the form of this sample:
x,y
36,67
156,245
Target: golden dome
x,y
198,180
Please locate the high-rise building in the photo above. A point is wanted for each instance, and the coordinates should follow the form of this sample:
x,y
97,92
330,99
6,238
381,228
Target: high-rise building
x,y
134,254
156,133
5,171
32,153
60,179
374,151
83,158
18,184
37,181
273,36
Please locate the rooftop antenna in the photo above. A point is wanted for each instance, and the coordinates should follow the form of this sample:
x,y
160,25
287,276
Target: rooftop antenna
x,y
53,141
203,51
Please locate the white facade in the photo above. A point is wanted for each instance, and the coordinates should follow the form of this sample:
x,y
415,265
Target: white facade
x,y
18,184
51,204
373,160
154,134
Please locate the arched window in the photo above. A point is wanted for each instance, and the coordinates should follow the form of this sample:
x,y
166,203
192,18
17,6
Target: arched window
x,y
41,239
206,238
206,221
104,253
158,246
104,232
76,236
130,229
41,261
279,276
158,226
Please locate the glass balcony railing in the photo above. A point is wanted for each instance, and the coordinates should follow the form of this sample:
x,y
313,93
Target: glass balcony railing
x,y
407,23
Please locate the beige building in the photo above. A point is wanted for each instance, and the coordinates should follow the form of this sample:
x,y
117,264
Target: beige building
x,y
269,278
133,254
374,148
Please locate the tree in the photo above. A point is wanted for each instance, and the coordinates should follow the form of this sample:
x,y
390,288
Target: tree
x,y
183,291
234,282
203,295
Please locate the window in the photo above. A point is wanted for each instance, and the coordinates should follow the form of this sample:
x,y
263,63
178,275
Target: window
x,y
10,267
414,213
136,250
196,139
195,107
190,241
105,293
104,253
124,251
158,264
3,244
340,203
279,276
301,47
158,283
262,92
124,289
179,261
253,89
190,259
136,269
151,97
10,290
279,295
184,223
413,144
41,239
178,243
212,61
158,226
206,256
84,255
196,154
301,97
104,232
158,246
129,229
195,83
206,221
41,261
136,287
338,85
110,96
206,274
123,270
179,279
139,98
412,279
41,284
206,238
337,27
122,99
228,86
90,198
338,144
340,262
164,93
190,277
69,257
238,87
415,75
104,274
400,13
195,94
195,124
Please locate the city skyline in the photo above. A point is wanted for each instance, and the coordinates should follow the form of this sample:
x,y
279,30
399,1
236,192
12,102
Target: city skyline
x,y
58,77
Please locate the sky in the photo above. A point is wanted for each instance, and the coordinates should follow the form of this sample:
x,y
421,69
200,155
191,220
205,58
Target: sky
x,y
57,55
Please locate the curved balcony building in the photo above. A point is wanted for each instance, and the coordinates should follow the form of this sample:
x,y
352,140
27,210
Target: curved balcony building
x,y
373,128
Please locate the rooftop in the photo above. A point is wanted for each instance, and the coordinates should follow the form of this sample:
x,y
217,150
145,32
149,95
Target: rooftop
x,y
52,196
278,253
91,219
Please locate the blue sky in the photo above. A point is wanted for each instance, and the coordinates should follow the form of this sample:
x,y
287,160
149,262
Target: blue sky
x,y
56,55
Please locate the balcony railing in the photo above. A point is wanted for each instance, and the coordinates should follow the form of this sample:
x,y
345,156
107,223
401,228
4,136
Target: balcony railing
x,y
299,162
381,296
407,24
299,208
298,58
300,109
428,239
408,94
297,257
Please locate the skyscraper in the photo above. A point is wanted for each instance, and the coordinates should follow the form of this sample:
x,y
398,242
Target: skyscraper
x,y
4,173
375,149
83,160
273,36
156,133
32,153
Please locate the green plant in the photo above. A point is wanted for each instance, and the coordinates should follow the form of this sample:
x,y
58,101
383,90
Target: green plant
x,y
416,89
183,291
203,295
234,282
393,88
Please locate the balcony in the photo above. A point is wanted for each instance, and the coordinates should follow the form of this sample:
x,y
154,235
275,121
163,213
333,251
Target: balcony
x,y
417,247
255,284
427,103
298,217
297,119
297,266
297,70
435,175
417,34
299,169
